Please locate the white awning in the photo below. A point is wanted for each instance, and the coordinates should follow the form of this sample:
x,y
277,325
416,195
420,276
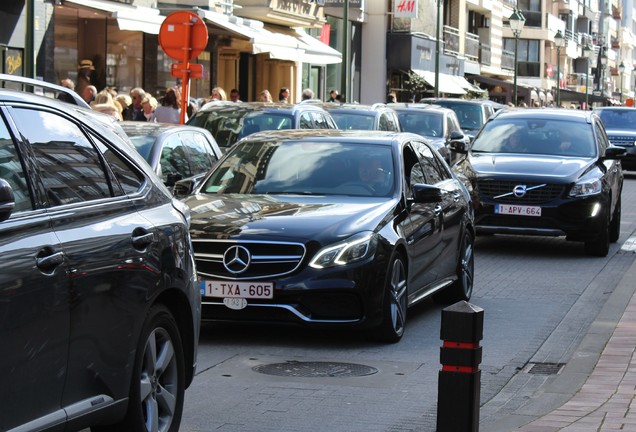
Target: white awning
x,y
132,18
296,45
316,51
466,85
447,83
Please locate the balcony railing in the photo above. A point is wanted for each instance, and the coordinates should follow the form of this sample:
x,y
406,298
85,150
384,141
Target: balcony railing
x,y
451,39
484,54
472,47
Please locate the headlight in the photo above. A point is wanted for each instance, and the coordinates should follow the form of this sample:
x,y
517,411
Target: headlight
x,y
355,248
587,187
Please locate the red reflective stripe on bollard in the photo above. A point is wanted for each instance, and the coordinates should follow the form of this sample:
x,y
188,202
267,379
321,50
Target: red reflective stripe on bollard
x,y
461,369
461,345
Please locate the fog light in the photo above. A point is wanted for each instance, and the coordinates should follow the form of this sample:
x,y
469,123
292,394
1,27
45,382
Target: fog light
x,y
595,209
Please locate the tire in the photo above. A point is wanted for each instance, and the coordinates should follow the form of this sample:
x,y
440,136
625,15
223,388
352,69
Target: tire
x,y
462,288
600,245
158,380
395,304
615,224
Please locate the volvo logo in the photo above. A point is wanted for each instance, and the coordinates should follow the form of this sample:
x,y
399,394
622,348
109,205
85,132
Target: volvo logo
x,y
237,259
519,191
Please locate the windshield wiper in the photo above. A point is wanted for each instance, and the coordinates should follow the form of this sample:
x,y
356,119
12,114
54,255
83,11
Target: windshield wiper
x,y
289,193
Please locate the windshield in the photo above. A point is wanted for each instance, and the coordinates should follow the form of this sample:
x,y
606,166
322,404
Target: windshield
x,y
305,168
261,121
470,116
532,136
422,123
354,121
224,124
143,144
618,119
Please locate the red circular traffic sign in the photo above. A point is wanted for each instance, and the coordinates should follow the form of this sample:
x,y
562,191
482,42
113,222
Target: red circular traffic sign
x,y
183,34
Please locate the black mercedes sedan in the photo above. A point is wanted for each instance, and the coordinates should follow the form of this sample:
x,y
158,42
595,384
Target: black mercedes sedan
x,y
545,172
331,228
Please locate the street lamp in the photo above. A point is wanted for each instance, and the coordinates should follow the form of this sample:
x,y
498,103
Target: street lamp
x,y
601,79
437,37
587,53
517,20
559,41
621,70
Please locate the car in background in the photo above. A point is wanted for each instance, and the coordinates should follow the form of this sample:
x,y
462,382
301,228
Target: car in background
x,y
99,304
471,113
545,172
620,124
173,151
438,125
363,117
331,229
230,121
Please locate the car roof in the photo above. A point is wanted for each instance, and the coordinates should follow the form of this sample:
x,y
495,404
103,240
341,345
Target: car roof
x,y
544,113
259,106
154,129
615,108
456,101
327,135
421,107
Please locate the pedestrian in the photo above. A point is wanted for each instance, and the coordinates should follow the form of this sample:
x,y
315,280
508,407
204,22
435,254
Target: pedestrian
x,y
307,94
235,96
265,96
89,93
135,111
218,94
391,98
69,84
333,96
170,109
105,103
148,106
124,100
84,71
283,95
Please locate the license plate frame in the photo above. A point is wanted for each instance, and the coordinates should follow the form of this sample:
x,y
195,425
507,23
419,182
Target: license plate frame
x,y
518,210
237,289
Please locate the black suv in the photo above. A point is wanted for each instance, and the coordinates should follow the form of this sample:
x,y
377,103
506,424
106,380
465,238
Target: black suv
x,y
471,113
620,124
230,121
99,306
548,172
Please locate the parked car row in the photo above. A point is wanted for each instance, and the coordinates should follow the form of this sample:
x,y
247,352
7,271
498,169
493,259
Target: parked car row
x,y
298,222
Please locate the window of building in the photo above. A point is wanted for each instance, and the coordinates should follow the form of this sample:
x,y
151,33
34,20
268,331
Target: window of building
x,y
527,55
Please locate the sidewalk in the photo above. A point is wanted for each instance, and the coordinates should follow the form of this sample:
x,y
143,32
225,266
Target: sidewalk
x,y
596,391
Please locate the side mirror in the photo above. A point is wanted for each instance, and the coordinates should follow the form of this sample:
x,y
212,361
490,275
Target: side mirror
x,y
615,152
183,188
7,200
423,193
458,146
172,179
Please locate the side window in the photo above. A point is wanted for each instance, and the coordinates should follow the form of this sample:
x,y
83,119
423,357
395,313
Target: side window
x,y
70,167
11,171
433,170
412,170
174,159
602,137
129,180
383,123
394,123
201,156
321,121
305,121
453,124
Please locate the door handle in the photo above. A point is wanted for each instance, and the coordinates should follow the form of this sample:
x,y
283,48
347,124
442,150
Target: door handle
x,y
48,260
437,210
141,238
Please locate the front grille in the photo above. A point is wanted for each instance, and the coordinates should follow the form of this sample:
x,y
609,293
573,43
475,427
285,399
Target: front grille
x,y
489,189
267,259
623,141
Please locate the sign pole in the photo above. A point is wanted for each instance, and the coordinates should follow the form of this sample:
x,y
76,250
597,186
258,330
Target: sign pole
x,y
185,77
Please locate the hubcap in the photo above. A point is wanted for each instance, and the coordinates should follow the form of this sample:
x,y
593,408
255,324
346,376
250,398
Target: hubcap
x,y
398,297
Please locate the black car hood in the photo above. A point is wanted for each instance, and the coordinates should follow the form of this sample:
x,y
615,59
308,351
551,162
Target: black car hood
x,y
286,217
556,169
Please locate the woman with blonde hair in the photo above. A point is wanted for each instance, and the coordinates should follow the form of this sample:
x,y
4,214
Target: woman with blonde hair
x,y
265,96
105,103
148,105
217,94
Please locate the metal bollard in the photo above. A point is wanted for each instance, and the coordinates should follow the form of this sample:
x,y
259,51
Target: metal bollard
x,y
459,380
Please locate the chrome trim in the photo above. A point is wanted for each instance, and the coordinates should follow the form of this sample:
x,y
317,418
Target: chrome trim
x,y
520,194
440,286
514,230
289,309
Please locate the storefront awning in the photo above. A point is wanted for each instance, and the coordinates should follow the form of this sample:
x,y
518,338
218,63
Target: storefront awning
x,y
132,18
294,45
463,83
447,83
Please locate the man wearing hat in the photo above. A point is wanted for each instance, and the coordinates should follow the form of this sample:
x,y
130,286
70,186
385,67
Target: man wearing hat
x,y
84,75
